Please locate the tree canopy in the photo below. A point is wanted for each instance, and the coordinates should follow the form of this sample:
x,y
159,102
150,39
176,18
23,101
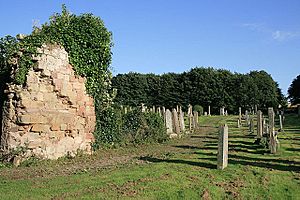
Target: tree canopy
x,y
294,91
199,86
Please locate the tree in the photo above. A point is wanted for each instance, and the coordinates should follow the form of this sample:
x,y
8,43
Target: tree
x,y
294,91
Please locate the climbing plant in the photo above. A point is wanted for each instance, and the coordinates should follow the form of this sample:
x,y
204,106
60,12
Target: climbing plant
x,y
88,43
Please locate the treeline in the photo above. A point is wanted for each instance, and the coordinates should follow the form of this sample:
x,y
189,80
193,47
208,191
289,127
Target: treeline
x,y
199,86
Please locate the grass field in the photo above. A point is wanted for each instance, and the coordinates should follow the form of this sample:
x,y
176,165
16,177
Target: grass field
x,y
180,169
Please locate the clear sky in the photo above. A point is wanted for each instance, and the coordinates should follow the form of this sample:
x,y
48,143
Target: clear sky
x,y
161,36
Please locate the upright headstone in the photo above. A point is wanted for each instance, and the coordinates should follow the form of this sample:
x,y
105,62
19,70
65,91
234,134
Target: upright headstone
x,y
273,142
240,115
271,120
259,124
191,119
169,122
247,117
163,109
208,110
238,123
175,122
181,121
222,111
190,110
252,125
143,108
255,109
223,147
226,113
159,111
280,122
205,113
195,120
153,108
125,110
177,109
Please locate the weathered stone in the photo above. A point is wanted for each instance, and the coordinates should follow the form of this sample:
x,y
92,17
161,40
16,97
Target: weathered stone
x,y
175,122
169,121
223,147
247,117
40,128
272,135
240,116
259,124
45,112
195,120
191,119
251,125
280,122
208,110
181,121
24,119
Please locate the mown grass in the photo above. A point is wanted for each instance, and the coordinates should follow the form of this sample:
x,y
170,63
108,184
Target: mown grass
x,y
180,169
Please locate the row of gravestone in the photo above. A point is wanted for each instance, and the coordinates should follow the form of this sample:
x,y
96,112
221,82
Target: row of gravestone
x,y
174,119
265,133
265,127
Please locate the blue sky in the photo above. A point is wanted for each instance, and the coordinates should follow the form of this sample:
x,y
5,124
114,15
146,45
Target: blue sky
x,y
161,36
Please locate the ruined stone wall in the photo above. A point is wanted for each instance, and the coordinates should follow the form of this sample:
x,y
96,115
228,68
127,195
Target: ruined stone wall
x,y
52,115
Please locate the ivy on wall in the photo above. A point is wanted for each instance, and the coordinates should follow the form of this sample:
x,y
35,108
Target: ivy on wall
x,y
88,43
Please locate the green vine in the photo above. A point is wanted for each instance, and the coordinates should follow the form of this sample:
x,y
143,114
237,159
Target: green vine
x,y
88,44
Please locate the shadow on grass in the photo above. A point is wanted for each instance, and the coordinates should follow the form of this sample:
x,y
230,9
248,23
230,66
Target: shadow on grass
x,y
204,136
293,149
269,163
178,161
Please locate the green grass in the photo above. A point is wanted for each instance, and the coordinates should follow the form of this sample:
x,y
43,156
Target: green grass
x,y
180,169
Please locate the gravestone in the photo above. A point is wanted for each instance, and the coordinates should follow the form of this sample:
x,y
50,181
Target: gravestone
x,y
251,126
259,124
191,119
205,113
240,115
247,117
181,121
208,110
280,122
273,142
190,110
255,109
238,123
159,111
125,110
163,109
195,120
223,147
143,108
176,128
168,122
222,111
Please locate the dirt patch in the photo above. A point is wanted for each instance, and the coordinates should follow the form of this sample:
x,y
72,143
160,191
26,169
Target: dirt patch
x,y
232,187
205,195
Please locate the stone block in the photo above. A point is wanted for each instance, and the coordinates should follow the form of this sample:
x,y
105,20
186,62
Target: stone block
x,y
24,119
37,118
63,127
55,127
41,128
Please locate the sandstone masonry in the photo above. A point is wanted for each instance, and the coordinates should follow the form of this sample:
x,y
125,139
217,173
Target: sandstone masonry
x,y
52,115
